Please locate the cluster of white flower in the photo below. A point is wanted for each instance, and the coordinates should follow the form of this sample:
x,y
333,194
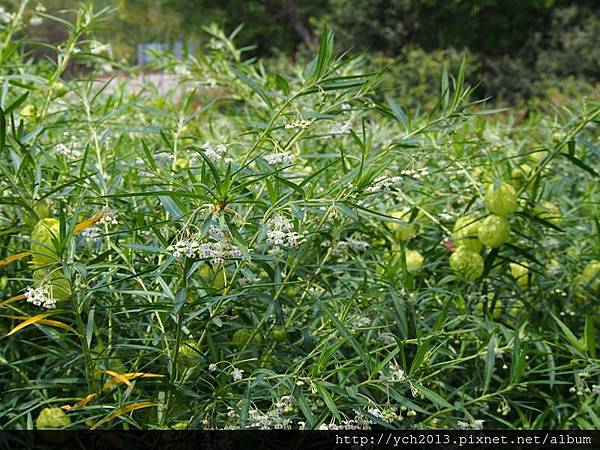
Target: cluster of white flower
x,y
385,185
349,243
343,128
63,150
237,374
182,70
303,124
215,153
346,106
415,173
164,158
394,373
108,219
248,279
280,232
35,21
596,389
270,420
474,425
91,234
40,296
279,158
5,16
217,252
98,48
361,322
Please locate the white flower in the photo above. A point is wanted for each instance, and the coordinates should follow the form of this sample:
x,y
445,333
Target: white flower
x,y
5,16
166,158
303,124
40,296
385,184
346,106
97,48
280,232
35,21
212,367
279,158
40,8
92,234
108,219
343,128
215,153
63,150
236,374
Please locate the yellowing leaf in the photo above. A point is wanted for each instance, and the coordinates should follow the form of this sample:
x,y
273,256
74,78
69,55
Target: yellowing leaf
x,y
12,300
118,376
30,321
57,324
129,376
80,403
121,411
88,223
7,261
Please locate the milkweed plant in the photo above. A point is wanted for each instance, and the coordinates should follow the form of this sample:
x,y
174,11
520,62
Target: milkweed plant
x,y
287,248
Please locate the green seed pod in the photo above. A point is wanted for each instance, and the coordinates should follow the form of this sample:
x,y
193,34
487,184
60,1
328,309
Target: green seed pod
x,y
60,89
60,288
466,264
520,174
501,199
549,212
414,260
188,354
280,334
520,272
42,246
28,111
403,231
494,231
3,282
241,336
465,233
52,419
589,279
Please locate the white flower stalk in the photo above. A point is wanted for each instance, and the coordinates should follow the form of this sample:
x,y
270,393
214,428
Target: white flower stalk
x,y
40,296
279,158
341,129
63,150
216,252
302,124
108,219
216,153
280,232
237,374
385,185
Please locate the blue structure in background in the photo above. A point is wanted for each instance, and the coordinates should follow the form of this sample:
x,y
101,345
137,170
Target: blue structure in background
x,y
145,51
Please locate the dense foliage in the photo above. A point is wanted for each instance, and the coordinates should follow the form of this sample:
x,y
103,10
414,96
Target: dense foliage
x,y
517,48
289,248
